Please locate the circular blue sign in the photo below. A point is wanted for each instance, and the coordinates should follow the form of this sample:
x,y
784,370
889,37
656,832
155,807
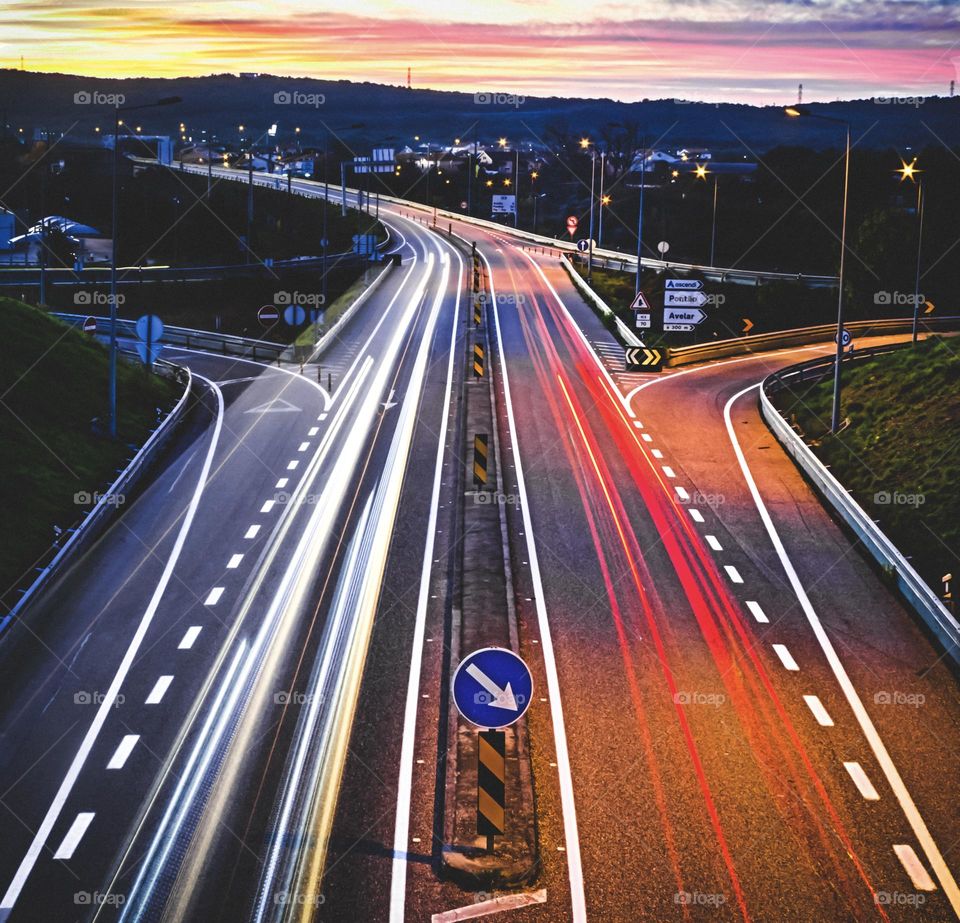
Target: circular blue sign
x,y
149,327
846,337
294,315
492,687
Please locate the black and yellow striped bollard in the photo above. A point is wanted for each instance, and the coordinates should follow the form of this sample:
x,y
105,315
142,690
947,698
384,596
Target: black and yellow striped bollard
x,y
491,785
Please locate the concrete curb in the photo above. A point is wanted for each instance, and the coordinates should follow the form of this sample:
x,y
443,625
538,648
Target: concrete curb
x,y
97,519
627,336
914,590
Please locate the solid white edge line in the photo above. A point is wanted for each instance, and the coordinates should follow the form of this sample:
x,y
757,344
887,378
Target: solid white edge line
x,y
914,867
862,781
786,658
159,690
189,637
123,751
401,830
76,765
883,757
571,834
819,711
73,836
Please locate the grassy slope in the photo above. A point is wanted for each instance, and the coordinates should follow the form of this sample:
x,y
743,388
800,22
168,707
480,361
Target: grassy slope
x,y
53,381
903,438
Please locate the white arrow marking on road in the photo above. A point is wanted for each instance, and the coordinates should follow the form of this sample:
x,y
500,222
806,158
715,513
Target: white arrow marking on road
x,y
502,698
389,402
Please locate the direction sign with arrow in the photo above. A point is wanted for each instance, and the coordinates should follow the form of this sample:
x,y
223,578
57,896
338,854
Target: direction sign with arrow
x,y
683,316
747,324
690,285
492,687
643,357
684,299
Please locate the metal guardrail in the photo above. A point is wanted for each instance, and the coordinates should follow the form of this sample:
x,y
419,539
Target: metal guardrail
x,y
92,525
802,336
628,337
223,343
924,601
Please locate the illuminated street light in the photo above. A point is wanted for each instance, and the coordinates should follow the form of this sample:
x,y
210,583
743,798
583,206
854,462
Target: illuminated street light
x,y
702,172
909,171
584,143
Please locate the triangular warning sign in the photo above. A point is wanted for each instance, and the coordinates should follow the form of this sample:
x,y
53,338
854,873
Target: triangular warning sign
x,y
640,303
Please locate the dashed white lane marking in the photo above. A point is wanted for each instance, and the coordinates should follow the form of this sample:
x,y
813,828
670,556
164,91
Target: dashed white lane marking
x,y
713,542
77,829
646,437
638,424
756,611
682,492
786,658
494,905
123,751
252,531
234,561
313,430
213,597
282,483
862,781
189,636
292,465
303,447
657,453
695,514
733,573
268,505
159,690
322,417
918,874
668,471
819,712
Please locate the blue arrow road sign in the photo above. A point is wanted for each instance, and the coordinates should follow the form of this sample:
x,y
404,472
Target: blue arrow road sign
x,y
845,338
149,328
294,315
492,687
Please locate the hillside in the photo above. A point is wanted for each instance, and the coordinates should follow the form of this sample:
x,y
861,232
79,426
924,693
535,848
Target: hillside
x,y
53,382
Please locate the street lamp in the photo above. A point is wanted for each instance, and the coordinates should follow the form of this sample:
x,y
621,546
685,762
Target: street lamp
x,y
585,144
803,112
702,172
115,230
643,172
909,171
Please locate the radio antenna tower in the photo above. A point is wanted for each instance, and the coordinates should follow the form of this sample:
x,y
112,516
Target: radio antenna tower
x,y
800,94
408,78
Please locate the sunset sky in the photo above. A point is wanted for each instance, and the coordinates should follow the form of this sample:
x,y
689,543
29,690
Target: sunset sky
x,y
733,50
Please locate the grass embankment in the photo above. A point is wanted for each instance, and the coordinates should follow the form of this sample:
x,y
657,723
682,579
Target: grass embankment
x,y
53,382
900,452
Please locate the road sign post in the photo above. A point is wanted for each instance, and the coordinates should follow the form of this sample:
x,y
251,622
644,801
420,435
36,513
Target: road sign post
x,y
149,330
491,785
572,223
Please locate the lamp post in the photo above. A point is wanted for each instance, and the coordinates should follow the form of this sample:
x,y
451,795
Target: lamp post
x,y
701,173
601,200
643,171
803,112
115,231
909,171
585,143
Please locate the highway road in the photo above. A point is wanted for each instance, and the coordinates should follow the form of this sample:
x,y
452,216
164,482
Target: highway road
x,y
733,718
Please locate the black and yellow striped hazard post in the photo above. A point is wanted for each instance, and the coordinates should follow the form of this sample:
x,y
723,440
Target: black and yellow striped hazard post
x,y
491,785
478,302
478,360
480,460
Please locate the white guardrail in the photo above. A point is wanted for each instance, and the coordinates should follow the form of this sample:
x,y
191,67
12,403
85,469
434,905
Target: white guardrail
x,y
605,258
924,601
93,524
627,336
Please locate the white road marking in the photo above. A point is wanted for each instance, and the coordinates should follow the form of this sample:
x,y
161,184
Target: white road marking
x,y
268,505
282,483
914,867
322,417
733,573
695,514
292,465
819,711
123,751
668,471
213,597
77,829
313,430
862,781
252,531
756,611
159,690
714,542
77,764
682,493
786,658
912,814
189,636
234,561
303,447
638,424
646,437
657,453
493,905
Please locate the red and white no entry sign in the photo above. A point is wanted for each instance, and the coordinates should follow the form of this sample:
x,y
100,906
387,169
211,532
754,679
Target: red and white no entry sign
x,y
90,326
268,315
